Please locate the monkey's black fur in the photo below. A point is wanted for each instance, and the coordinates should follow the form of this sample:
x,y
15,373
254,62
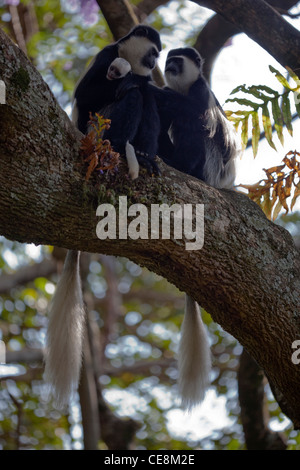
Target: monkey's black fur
x,y
180,116
129,102
187,111
94,91
134,118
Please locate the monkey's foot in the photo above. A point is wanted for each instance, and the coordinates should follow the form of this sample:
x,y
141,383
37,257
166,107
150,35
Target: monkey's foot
x,y
146,161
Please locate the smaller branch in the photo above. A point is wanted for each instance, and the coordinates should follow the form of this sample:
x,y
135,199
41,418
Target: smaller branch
x,y
117,433
254,413
88,400
18,405
26,356
211,39
31,374
26,274
146,7
140,367
113,301
17,28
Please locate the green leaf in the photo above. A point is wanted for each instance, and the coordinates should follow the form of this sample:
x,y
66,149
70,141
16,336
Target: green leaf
x,y
255,132
238,88
286,112
255,91
278,119
281,78
241,112
267,89
243,101
267,126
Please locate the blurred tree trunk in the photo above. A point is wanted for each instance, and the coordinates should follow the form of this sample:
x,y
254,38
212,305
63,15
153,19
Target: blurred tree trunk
x,y
254,412
119,15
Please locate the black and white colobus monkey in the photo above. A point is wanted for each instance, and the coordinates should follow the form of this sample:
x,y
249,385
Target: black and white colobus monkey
x,y
96,92
196,138
133,112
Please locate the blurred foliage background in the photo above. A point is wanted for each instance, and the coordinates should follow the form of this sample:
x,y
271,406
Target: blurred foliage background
x,y
134,315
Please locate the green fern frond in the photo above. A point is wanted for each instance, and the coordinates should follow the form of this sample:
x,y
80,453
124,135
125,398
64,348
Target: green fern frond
x,y
273,107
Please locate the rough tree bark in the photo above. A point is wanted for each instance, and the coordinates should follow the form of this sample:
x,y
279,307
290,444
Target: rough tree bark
x,y
251,17
246,275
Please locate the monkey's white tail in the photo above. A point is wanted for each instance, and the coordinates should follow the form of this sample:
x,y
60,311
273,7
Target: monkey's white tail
x,y
65,332
194,362
133,164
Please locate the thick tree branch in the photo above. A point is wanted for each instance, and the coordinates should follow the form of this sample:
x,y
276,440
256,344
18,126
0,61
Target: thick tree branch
x,y
251,17
246,275
217,31
27,274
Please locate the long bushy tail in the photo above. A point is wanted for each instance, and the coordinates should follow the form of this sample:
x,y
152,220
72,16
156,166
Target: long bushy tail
x,y
65,332
133,164
194,362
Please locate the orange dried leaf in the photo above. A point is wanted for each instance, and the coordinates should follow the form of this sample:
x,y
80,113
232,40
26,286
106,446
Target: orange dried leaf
x,y
91,167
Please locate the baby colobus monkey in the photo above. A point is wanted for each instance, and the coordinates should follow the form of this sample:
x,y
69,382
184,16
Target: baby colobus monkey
x,y
118,69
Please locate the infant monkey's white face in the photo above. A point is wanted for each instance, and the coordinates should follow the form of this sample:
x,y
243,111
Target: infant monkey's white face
x,y
118,69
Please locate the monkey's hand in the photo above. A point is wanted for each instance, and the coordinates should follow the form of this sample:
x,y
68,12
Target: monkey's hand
x,y
146,161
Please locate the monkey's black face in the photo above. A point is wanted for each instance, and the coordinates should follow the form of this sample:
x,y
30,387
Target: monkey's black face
x,y
150,58
174,66
181,72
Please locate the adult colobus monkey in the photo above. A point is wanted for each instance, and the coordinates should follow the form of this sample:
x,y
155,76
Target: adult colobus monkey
x,y
95,92
137,108
197,139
